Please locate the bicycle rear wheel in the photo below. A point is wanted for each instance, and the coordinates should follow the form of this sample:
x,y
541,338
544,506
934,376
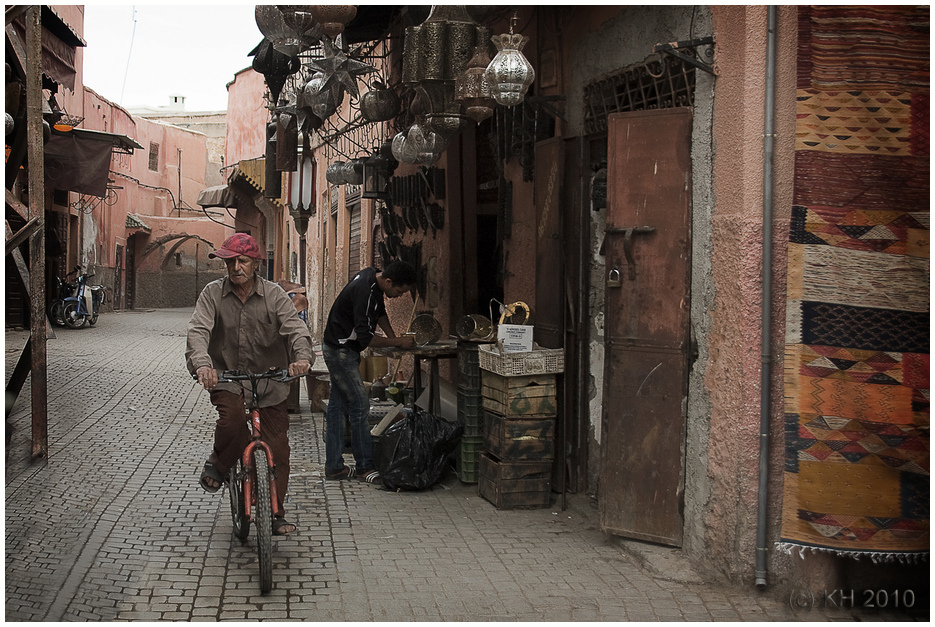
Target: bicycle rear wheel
x,y
235,490
264,520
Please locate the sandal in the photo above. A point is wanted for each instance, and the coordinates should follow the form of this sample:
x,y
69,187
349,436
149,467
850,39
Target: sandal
x,y
369,476
348,472
210,471
282,527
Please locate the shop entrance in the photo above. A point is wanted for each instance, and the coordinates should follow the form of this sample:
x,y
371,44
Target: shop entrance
x,y
647,245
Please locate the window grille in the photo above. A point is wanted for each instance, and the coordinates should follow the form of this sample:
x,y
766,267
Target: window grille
x,y
154,156
660,84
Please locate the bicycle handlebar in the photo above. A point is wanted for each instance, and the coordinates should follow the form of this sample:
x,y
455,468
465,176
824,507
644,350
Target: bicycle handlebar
x,y
230,376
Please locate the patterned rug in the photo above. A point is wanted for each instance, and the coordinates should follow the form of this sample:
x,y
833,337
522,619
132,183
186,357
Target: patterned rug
x,y
857,348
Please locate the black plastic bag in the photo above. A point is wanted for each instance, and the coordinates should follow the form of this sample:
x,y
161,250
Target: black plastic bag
x,y
414,452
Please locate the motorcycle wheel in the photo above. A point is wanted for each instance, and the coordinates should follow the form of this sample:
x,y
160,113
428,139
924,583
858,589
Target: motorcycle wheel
x,y
92,319
73,319
55,313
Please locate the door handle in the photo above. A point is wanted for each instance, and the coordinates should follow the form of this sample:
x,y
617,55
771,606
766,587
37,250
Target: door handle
x,y
628,233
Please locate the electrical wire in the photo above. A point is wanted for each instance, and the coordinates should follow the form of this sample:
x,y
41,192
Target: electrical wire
x,y
129,54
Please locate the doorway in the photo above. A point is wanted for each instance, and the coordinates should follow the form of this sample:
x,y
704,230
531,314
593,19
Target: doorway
x,y
647,246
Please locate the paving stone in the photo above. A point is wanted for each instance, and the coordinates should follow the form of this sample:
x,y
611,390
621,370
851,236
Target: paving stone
x,y
113,526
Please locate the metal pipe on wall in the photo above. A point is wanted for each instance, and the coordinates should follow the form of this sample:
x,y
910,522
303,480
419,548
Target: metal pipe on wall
x,y
765,354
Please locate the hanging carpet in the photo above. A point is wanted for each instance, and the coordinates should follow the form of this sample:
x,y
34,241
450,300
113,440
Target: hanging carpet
x,y
856,476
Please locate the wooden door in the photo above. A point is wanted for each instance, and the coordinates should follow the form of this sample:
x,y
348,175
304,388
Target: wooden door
x,y
118,278
131,271
647,246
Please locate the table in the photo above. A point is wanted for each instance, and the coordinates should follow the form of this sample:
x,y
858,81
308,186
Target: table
x,y
445,349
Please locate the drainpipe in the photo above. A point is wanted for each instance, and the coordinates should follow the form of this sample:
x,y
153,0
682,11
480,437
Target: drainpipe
x,y
768,151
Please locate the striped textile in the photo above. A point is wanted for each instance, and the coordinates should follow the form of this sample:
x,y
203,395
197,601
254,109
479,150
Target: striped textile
x,y
856,478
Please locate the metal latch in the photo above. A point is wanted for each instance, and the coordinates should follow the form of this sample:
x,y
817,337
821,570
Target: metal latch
x,y
628,233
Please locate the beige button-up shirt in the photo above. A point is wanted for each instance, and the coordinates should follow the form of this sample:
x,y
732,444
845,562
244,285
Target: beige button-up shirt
x,y
264,332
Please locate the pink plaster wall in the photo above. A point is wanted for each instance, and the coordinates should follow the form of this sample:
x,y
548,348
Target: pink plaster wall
x,y
104,229
247,117
732,375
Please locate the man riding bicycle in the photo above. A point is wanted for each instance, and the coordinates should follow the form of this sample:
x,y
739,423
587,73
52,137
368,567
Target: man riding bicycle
x,y
244,322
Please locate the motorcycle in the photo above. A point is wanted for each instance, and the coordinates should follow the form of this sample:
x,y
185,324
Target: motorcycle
x,y
85,305
66,289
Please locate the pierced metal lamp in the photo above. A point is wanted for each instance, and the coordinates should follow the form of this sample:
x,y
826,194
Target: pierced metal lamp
x,y
510,74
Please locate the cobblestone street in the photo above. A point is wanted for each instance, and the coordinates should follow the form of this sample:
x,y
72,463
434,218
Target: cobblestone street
x,y
113,526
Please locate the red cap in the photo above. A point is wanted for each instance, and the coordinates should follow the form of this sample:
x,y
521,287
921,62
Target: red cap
x,y
236,245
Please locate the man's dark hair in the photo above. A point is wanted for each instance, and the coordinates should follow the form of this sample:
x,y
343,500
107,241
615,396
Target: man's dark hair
x,y
400,273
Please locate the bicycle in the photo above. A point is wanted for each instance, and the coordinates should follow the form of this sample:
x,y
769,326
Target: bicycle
x,y
250,481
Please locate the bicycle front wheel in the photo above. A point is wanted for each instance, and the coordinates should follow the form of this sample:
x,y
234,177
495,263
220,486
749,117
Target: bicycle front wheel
x,y
264,520
235,490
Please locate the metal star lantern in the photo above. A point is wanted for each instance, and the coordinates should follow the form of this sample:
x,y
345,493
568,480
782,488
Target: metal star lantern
x,y
339,69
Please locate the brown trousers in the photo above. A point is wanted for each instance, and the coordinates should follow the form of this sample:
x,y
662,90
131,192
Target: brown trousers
x,y
231,436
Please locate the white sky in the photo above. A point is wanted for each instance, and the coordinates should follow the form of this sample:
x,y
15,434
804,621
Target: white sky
x,y
189,50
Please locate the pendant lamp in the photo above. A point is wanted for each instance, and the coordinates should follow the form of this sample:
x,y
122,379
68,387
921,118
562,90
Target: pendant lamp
x,y
509,73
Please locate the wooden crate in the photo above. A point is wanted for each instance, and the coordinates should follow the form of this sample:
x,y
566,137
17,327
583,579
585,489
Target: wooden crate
x,y
515,485
538,361
533,395
513,438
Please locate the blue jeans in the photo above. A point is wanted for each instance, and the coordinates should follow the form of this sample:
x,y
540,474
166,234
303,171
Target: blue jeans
x,y
347,396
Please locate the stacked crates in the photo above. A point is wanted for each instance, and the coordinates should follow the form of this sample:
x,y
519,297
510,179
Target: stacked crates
x,y
519,394
470,412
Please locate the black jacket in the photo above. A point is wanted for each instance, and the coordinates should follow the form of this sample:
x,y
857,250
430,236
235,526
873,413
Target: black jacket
x,y
355,312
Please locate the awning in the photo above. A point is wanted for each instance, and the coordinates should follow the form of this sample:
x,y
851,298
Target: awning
x,y
119,143
250,174
79,160
58,46
218,196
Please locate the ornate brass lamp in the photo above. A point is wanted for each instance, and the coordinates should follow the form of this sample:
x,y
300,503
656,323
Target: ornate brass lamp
x,y
509,73
472,89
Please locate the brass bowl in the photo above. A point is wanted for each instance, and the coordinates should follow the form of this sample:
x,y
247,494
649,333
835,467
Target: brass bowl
x,y
426,329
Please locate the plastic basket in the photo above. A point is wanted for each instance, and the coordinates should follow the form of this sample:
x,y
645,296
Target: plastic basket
x,y
468,366
467,462
538,361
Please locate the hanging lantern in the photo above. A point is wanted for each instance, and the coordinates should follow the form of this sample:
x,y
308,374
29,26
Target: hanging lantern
x,y
275,67
424,144
334,174
319,99
307,31
472,89
289,29
377,172
401,148
306,118
333,17
353,172
380,103
509,74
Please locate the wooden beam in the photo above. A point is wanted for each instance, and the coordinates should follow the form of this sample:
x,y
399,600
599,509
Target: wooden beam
x,y
14,203
14,242
37,318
